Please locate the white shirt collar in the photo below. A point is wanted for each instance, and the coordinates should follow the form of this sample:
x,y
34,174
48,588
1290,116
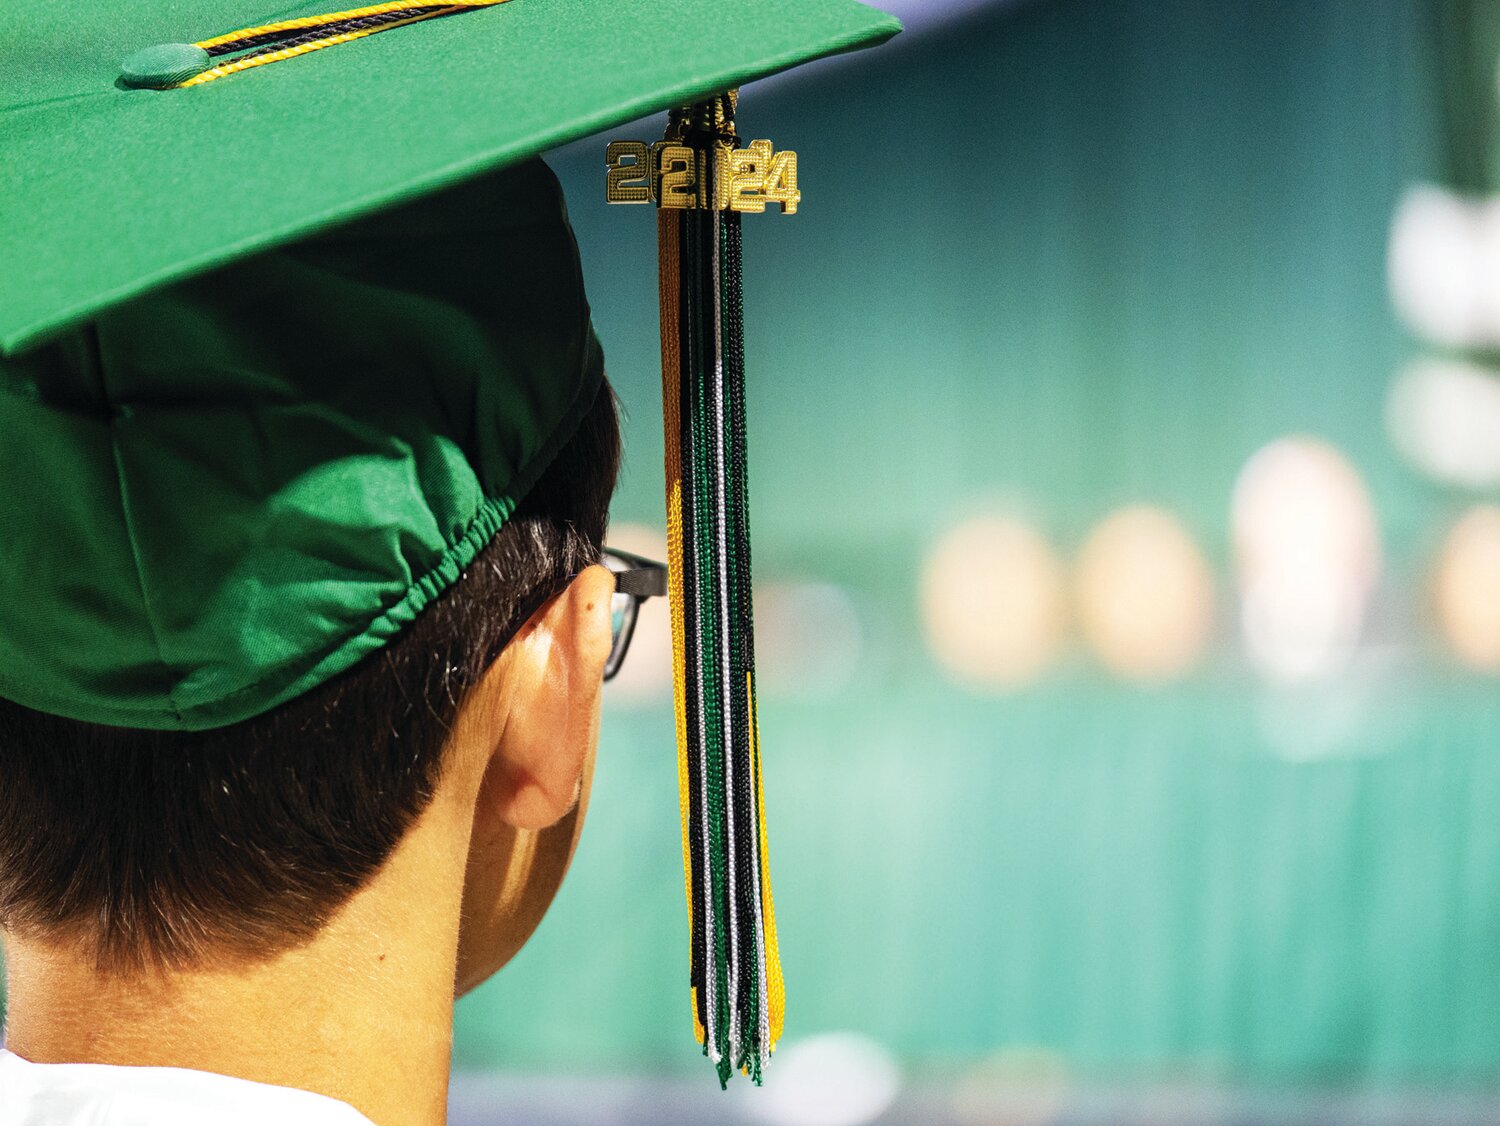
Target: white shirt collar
x,y
92,1094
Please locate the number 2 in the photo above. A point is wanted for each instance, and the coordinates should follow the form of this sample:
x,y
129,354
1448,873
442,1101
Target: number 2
x,y
679,176
627,182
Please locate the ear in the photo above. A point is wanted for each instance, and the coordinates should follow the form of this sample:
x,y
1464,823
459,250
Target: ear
x,y
554,675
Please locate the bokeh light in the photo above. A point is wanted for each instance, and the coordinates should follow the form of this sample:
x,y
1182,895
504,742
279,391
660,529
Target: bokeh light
x,y
1144,594
1444,267
833,1079
646,676
1444,417
1307,552
1468,588
993,602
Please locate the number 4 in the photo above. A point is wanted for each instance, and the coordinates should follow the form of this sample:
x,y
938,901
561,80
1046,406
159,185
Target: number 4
x,y
781,182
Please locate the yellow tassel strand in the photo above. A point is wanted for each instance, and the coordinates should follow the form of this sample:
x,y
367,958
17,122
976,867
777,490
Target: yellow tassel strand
x,y
668,251
775,984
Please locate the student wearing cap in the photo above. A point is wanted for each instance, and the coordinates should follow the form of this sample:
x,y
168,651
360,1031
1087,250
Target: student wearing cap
x,y
306,453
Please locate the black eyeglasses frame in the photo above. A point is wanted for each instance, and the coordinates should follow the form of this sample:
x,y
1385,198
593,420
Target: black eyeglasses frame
x,y
638,579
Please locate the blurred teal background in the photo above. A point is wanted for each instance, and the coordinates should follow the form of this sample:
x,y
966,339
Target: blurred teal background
x,y
1055,258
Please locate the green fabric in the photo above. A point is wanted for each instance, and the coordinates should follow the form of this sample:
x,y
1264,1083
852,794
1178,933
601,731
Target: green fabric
x,y
279,354
106,192
222,493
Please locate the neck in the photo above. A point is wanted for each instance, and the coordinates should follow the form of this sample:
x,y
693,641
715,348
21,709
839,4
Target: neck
x,y
362,1013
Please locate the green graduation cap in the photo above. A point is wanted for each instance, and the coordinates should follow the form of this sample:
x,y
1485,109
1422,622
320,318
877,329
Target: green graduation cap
x,y
291,318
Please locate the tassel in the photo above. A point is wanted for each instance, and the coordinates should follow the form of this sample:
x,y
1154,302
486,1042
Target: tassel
x,y
737,991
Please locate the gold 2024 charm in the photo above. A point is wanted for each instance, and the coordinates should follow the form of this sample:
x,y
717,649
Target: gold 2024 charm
x,y
670,174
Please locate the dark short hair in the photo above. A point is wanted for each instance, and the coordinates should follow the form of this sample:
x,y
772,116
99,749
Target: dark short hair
x,y
163,847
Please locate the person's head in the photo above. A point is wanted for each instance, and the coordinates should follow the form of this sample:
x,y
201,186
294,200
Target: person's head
x,y
170,848
167,849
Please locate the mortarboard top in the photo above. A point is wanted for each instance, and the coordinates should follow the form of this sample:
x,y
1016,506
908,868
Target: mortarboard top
x,y
106,192
280,352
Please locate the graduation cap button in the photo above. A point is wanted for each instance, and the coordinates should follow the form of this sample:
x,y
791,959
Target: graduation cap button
x,y
166,64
